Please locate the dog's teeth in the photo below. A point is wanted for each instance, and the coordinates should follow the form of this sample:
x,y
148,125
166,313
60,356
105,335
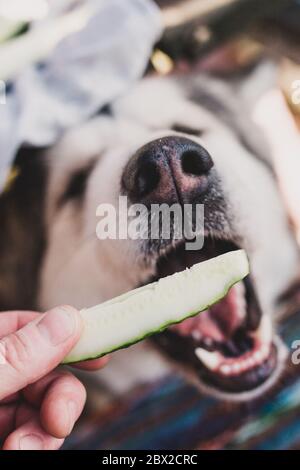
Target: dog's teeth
x,y
226,369
196,335
216,362
252,361
208,342
210,359
258,356
249,362
236,368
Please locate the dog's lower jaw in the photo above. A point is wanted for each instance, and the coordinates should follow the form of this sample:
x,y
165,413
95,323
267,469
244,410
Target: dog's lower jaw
x,y
246,396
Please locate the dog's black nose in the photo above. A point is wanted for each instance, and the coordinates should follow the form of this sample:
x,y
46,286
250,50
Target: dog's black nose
x,y
170,169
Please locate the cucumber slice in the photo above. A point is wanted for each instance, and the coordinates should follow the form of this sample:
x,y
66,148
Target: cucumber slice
x,y
133,316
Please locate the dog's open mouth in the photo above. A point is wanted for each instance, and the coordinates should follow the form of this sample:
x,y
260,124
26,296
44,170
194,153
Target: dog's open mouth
x,y
231,344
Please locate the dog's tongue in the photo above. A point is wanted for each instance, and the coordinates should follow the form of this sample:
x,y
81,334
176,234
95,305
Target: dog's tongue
x,y
220,321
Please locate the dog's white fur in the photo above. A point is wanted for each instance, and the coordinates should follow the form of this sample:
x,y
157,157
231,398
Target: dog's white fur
x,y
81,270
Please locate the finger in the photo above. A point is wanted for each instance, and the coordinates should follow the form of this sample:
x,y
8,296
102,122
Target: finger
x,y
62,396
13,321
14,415
62,406
94,364
37,348
10,399
7,420
35,392
31,436
24,413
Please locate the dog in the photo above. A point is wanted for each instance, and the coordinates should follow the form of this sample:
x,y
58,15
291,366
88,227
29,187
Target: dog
x,y
169,140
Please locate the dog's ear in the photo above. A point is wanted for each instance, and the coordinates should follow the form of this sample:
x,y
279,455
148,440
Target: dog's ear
x,y
22,235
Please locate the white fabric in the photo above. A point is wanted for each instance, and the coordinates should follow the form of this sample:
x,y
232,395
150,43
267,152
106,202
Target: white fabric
x,y
87,70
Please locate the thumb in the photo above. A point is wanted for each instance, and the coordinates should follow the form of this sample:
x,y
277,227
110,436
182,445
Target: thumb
x,y
37,348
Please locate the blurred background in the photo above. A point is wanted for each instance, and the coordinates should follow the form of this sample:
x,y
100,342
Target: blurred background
x,y
63,60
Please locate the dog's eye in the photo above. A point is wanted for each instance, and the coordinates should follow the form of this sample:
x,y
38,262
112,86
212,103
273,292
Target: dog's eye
x,y
76,185
187,130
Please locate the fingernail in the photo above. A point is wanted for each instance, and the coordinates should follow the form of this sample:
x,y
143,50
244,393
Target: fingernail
x,y
58,325
72,414
31,442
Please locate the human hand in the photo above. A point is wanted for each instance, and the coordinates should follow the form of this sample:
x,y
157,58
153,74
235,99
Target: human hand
x,y
39,404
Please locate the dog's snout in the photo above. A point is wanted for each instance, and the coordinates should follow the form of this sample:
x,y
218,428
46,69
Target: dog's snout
x,y
167,170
